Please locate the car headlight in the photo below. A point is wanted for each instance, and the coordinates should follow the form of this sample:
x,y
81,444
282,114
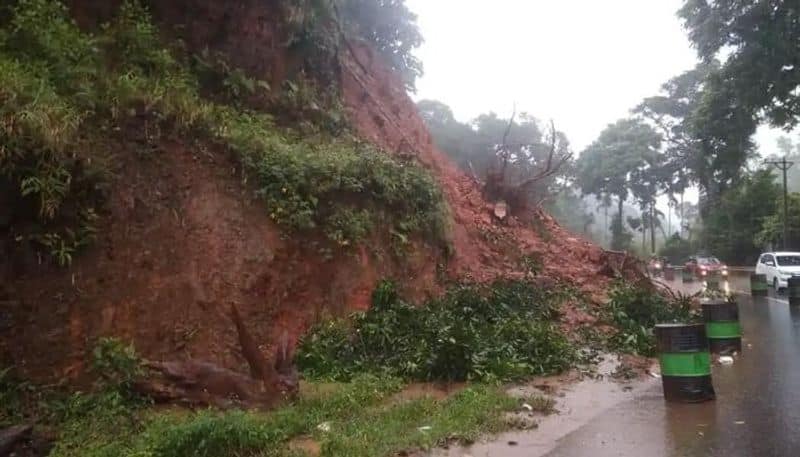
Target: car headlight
x,y
785,273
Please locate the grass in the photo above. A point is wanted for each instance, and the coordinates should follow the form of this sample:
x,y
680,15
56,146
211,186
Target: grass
x,y
362,420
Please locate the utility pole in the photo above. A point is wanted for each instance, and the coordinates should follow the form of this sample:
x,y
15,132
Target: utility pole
x,y
784,166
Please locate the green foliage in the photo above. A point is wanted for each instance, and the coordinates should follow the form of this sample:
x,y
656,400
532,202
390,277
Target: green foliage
x,y
302,180
233,85
624,160
64,89
361,421
319,27
116,363
499,332
463,417
635,311
392,28
772,226
733,223
12,397
758,40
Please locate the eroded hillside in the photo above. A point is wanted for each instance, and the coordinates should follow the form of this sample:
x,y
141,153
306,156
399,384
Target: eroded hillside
x,y
208,201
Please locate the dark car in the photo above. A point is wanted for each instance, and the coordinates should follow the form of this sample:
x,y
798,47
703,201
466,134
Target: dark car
x,y
702,266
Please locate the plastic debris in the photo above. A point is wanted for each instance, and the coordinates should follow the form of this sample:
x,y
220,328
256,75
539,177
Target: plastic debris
x,y
527,407
325,427
739,422
424,428
726,360
655,375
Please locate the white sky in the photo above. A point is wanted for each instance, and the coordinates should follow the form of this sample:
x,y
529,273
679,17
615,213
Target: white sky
x,y
582,63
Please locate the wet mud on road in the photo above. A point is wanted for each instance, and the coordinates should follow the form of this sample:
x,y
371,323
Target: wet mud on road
x,y
756,413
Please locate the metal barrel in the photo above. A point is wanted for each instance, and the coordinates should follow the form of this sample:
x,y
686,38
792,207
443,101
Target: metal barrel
x,y
722,326
793,291
669,274
686,275
685,362
758,285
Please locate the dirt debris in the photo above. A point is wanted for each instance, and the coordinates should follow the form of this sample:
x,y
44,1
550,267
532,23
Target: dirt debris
x,y
182,238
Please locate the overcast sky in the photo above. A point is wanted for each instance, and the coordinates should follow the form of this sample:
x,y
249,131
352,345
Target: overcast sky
x,y
581,63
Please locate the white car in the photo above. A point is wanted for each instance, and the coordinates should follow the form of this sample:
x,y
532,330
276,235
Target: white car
x,y
779,267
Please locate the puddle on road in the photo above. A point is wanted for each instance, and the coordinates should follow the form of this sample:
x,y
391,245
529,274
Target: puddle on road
x,y
577,402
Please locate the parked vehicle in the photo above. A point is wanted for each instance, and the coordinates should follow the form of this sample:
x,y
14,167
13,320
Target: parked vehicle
x,y
702,266
779,267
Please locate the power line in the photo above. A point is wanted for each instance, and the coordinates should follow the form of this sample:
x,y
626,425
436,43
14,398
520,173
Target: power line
x,y
783,165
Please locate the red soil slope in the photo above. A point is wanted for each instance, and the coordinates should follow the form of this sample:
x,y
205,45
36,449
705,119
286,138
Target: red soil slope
x,y
183,238
383,113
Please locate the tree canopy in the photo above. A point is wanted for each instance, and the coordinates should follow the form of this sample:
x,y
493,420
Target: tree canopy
x,y
623,161
760,39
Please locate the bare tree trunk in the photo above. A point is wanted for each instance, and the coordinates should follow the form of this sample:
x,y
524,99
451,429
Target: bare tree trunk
x,y
644,238
683,222
653,227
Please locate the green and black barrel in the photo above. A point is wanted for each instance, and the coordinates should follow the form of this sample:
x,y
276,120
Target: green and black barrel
x,y
686,275
685,362
722,326
793,291
758,285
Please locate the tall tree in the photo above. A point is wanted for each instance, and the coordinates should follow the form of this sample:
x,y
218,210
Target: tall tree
x,y
616,164
621,155
392,28
760,41
708,138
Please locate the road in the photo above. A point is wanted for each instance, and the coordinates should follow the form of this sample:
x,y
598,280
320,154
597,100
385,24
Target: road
x,y
756,413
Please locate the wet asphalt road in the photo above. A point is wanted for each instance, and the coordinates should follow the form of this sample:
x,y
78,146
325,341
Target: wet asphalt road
x,y
756,413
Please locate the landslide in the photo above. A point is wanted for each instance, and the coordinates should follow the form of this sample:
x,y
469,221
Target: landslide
x,y
183,230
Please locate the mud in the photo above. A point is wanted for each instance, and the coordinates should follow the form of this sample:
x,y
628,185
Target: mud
x,y
183,236
182,240
579,399
305,446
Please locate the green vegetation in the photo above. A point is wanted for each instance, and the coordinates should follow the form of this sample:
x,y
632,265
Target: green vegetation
x,y
66,91
635,311
360,418
500,332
